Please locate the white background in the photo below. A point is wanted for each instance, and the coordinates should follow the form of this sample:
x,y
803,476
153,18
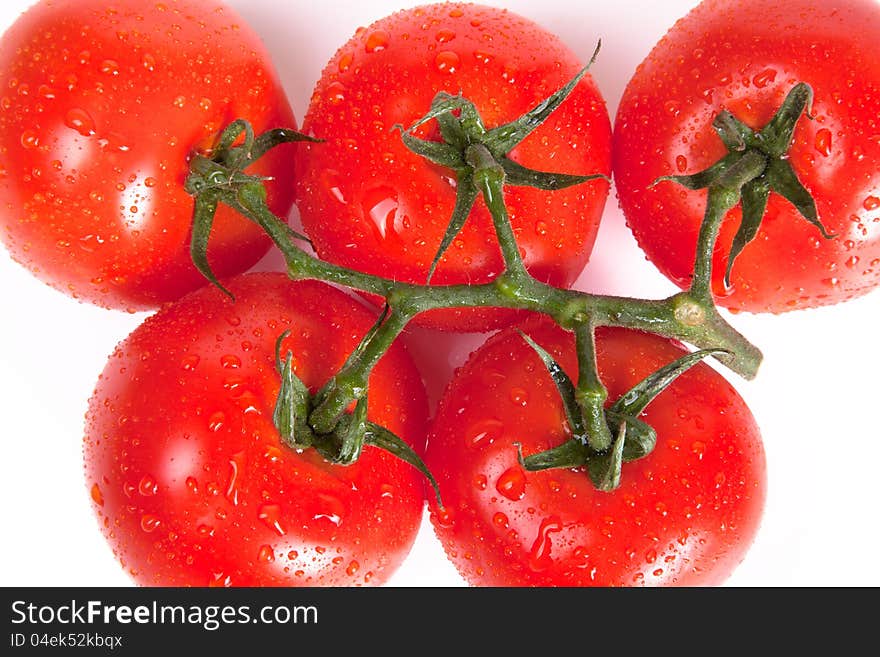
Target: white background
x,y
814,397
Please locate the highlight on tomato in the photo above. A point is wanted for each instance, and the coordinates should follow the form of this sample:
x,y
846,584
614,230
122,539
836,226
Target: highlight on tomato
x,y
188,475
369,203
805,233
101,106
685,514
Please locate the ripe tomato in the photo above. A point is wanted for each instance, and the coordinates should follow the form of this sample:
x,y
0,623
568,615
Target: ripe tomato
x,y
712,60
100,106
188,475
685,514
369,203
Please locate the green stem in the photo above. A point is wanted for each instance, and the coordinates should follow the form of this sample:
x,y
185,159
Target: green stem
x,y
718,204
488,177
680,316
723,195
350,383
590,392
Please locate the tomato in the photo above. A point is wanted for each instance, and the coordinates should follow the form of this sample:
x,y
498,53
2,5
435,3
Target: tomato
x,y
188,475
715,59
100,107
370,204
683,515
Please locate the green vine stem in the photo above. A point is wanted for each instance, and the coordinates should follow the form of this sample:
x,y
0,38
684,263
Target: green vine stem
x,y
606,435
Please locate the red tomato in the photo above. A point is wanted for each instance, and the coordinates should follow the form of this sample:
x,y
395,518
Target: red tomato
x,y
369,203
101,106
188,475
683,515
713,59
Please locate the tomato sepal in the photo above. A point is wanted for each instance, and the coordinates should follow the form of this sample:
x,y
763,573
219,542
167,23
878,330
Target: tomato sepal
x,y
479,159
756,164
633,438
292,404
218,176
344,443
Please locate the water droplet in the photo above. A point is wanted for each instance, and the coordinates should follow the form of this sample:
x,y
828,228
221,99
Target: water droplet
x,y
29,139
500,520
270,515
272,453
512,484
444,36
236,465
192,484
330,182
380,205
353,567
114,141
871,203
539,555
823,141
444,516
698,447
147,485
216,420
519,396
150,181
541,228
681,163
484,432
332,509
149,522
220,580
672,107
335,93
109,67
266,554
765,77
345,62
852,261
189,362
480,482
482,56
230,361
148,62
179,102
205,530
447,61
205,103
97,495
377,41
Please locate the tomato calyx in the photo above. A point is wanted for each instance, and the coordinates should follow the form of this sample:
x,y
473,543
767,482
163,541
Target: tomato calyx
x,y
343,444
755,165
602,440
479,158
219,176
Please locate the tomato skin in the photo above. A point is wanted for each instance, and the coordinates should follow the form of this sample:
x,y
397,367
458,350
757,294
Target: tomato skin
x,y
100,109
368,203
188,476
684,515
711,60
